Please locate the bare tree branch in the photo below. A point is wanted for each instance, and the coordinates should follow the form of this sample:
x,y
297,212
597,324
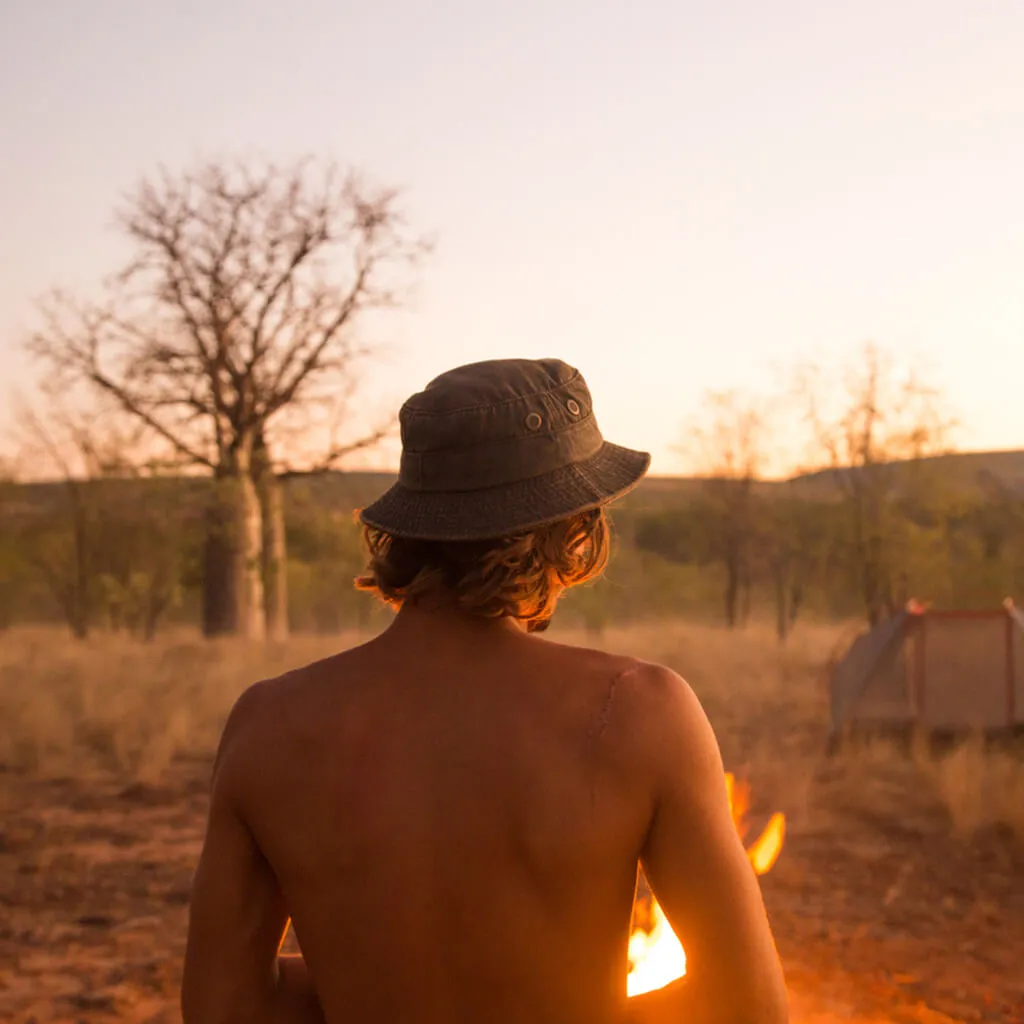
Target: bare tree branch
x,y
330,459
246,286
242,304
882,418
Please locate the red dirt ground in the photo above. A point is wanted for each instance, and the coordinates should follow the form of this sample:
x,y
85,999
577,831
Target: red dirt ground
x,y
874,923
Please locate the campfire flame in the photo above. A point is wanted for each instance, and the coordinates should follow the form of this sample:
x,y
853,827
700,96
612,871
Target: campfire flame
x,y
656,956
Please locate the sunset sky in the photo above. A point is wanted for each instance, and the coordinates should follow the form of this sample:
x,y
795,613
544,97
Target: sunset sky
x,y
671,196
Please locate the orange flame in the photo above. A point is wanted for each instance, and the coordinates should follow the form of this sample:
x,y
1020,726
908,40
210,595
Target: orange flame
x,y
656,956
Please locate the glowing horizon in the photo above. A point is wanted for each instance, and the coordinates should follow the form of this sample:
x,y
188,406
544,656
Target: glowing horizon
x,y
674,200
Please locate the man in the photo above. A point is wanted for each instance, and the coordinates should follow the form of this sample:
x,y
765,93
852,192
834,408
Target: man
x,y
452,814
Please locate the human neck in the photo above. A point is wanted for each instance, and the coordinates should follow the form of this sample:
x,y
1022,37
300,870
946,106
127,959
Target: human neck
x,y
432,616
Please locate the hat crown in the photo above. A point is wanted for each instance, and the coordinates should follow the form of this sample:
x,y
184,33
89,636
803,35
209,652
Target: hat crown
x,y
491,423
494,399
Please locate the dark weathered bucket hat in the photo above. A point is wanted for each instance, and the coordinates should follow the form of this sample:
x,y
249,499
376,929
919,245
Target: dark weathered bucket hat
x,y
499,447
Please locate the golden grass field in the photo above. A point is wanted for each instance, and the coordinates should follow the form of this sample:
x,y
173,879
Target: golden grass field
x,y
899,894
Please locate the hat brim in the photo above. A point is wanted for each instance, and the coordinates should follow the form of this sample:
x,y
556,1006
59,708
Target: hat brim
x,y
512,508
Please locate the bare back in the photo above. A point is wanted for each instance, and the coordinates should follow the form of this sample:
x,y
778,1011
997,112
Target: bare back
x,y
452,816
455,827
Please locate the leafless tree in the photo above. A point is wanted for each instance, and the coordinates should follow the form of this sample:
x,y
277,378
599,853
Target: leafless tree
x,y
727,448
238,309
792,538
10,553
106,534
271,477
881,428
76,448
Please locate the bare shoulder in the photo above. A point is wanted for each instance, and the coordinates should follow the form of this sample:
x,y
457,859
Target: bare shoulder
x,y
646,685
653,703
664,694
244,724
662,720
264,710
660,699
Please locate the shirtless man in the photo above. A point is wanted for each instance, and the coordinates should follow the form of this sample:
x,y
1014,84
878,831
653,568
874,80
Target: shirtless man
x,y
452,814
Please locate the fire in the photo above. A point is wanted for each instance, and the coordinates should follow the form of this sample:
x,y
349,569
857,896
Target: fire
x,y
656,956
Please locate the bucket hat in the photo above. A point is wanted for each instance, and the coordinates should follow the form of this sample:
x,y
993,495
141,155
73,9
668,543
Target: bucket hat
x,y
499,447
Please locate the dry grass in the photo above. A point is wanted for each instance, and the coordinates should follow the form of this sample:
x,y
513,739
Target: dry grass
x,y
115,707
981,788
897,895
111,705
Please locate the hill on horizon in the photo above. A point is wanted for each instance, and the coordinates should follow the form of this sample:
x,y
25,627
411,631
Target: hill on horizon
x,y
976,473
973,473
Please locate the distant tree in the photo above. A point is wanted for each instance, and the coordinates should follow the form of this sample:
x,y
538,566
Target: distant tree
x,y
726,444
61,546
682,533
873,442
792,538
10,556
144,543
271,479
234,321
987,544
326,554
108,543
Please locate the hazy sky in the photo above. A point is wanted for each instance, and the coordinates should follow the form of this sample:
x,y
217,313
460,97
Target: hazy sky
x,y
672,196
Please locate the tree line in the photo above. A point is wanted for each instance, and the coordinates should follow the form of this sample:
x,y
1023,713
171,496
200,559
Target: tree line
x,y
230,343
124,552
120,551
191,418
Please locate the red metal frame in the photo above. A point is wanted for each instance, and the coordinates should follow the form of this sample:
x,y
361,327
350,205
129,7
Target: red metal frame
x,y
967,613
1011,674
918,674
920,669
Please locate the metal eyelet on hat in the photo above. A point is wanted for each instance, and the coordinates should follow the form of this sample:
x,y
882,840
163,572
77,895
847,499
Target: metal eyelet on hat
x,y
573,406
534,421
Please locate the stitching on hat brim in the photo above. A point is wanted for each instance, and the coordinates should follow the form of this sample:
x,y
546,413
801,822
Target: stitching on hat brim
x,y
439,525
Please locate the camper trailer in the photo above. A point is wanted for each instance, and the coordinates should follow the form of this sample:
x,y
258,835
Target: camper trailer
x,y
939,670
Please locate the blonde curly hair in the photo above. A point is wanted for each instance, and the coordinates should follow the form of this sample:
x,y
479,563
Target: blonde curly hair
x,y
519,576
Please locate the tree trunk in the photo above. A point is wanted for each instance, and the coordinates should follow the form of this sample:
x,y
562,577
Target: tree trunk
x,y
157,600
732,589
219,605
232,578
796,598
782,619
275,558
149,622
82,587
247,559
